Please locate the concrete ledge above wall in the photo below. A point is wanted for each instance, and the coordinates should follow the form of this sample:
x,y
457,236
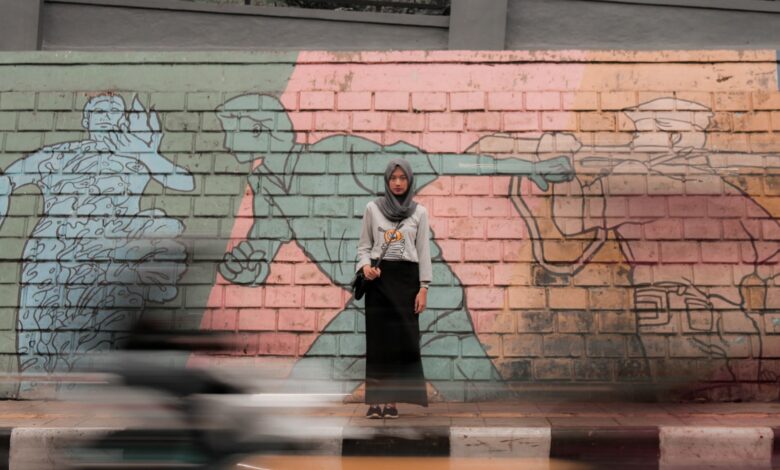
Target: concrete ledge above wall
x,y
278,12
177,25
116,25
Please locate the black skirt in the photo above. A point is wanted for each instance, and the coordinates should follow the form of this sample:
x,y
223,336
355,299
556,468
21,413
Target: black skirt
x,y
394,371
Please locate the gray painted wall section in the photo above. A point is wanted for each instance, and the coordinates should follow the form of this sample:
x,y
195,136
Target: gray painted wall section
x,y
91,27
573,24
478,25
19,25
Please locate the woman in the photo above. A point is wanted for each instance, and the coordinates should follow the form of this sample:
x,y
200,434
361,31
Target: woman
x,y
395,234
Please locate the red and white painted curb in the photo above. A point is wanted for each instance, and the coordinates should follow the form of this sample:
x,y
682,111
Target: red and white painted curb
x,y
657,446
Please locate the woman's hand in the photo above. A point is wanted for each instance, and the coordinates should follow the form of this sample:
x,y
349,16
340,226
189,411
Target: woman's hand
x,y
420,301
371,273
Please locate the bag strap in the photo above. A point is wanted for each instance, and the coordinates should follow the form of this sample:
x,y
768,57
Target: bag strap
x,y
387,245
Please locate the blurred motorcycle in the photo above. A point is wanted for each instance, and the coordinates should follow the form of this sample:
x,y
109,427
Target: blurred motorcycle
x,y
215,418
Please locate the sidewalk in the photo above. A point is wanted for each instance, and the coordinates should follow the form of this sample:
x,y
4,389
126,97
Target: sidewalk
x,y
558,415
730,434
490,414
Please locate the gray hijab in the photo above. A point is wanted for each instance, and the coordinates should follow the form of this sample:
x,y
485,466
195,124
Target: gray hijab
x,y
397,208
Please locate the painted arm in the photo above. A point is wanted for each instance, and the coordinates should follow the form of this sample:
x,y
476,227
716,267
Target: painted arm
x,y
553,170
6,188
167,174
248,263
141,140
734,162
163,170
570,217
15,176
578,208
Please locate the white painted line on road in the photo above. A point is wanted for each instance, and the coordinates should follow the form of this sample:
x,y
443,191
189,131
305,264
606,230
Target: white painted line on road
x,y
244,465
527,442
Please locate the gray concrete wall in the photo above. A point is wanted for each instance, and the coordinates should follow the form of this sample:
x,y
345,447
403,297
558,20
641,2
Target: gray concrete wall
x,y
93,27
478,25
529,24
19,20
574,24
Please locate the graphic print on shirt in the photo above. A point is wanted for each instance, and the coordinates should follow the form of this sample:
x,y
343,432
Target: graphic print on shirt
x,y
396,241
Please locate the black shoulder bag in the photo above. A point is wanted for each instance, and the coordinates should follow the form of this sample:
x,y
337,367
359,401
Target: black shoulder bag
x,y
360,283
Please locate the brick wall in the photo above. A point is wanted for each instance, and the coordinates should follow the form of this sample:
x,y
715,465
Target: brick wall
x,y
600,219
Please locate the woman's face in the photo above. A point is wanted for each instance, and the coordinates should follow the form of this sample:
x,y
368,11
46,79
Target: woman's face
x,y
399,183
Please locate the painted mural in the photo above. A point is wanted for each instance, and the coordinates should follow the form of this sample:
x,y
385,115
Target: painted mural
x,y
94,258
701,252
694,225
258,128
599,218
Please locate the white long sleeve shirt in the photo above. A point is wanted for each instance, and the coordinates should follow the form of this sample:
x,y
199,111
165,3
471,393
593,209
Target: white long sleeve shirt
x,y
411,242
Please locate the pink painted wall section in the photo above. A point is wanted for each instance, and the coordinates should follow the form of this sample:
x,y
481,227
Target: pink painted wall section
x,y
439,107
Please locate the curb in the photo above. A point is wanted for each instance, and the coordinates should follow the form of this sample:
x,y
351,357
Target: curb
x,y
41,448
635,447
733,447
533,443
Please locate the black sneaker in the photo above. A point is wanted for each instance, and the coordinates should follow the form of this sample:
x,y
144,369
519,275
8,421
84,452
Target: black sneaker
x,y
374,412
390,412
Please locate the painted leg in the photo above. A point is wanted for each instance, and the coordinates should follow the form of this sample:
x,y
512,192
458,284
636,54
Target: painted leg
x,y
336,361
454,359
42,342
42,352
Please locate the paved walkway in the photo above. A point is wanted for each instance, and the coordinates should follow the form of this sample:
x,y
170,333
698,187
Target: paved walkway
x,y
577,415
492,414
